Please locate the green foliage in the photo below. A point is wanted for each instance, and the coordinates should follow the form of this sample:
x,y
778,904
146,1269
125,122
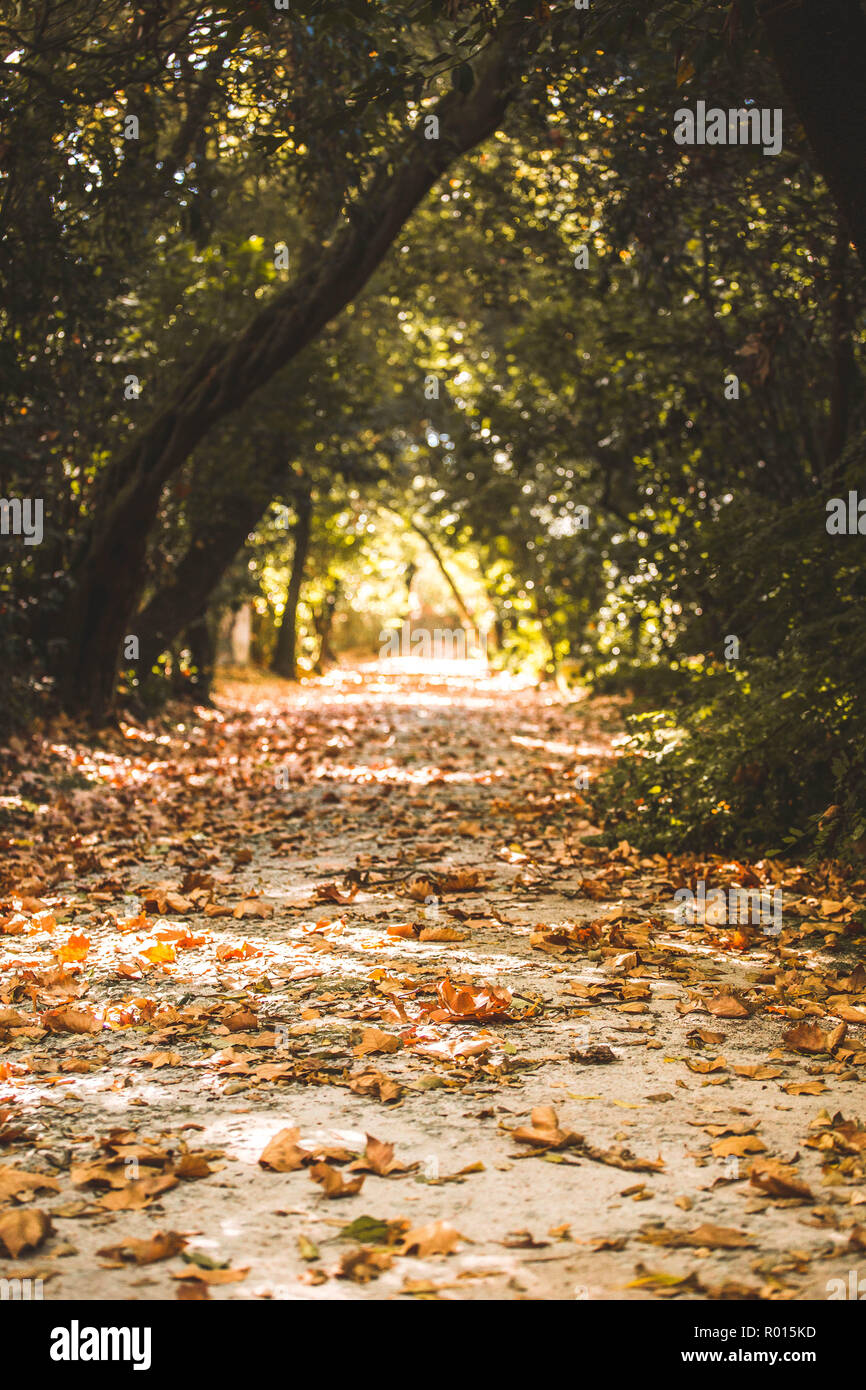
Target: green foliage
x,y
769,754
562,393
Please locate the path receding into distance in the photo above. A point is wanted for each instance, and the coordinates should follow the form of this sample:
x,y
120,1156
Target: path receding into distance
x,y
325,994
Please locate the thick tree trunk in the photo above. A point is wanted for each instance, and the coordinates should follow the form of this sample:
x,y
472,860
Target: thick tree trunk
x,y
285,654
179,602
819,49
108,573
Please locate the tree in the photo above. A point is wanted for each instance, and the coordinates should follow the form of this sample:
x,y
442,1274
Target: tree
x,y
107,571
285,653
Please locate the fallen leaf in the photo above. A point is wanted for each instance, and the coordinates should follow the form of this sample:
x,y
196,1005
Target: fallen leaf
x,y
23,1230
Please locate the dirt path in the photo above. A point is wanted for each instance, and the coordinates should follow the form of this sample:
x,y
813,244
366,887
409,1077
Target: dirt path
x,y
367,908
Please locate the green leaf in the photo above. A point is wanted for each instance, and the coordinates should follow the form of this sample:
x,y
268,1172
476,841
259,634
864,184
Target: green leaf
x,y
369,1229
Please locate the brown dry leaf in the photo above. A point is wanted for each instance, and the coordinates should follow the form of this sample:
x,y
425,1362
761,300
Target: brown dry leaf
x,y
596,888
379,1158
282,1154
437,1238
726,1004
556,940
805,1088
778,1180
459,880
544,1131
190,1292
472,1003
705,1036
160,1246
738,1145
450,1049
704,1067
420,889
333,1183
717,1131
135,1195
226,952
806,1037
363,1264
849,1015
374,1040
162,1059
163,899
330,893
856,981
253,907
442,934
210,1276
707,1236
23,1230
375,1083
191,1166
623,1158
759,1071
11,1018
857,1238
68,1019
97,1173
15,1181
599,1054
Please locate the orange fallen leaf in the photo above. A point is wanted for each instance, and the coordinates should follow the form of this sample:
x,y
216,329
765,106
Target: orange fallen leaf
x,y
225,952
442,934
74,949
726,1004
210,1276
160,1246
333,1183
778,1180
472,1003
739,1145
363,1264
23,1230
282,1154
437,1238
68,1019
806,1037
379,1158
161,953
15,1181
375,1040
544,1131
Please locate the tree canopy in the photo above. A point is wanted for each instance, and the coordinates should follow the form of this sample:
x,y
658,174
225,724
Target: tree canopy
x,y
296,296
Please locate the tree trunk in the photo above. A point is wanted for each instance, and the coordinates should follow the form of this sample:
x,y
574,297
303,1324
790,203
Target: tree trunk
x,y
108,572
230,518
199,639
324,623
175,606
819,49
845,371
465,615
285,654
